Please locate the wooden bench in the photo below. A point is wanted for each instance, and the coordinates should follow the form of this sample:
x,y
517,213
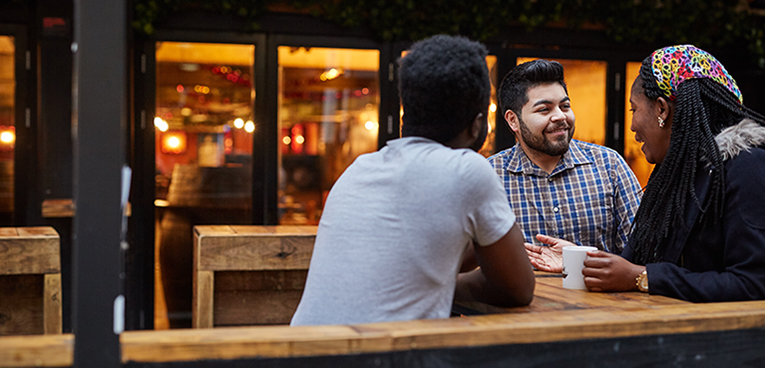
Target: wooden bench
x,y
249,275
30,281
598,328
510,333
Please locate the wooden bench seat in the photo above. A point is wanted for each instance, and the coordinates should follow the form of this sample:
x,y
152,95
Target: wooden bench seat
x,y
249,275
30,281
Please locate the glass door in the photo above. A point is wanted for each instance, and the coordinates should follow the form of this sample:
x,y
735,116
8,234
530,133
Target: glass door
x,y
328,114
7,128
204,126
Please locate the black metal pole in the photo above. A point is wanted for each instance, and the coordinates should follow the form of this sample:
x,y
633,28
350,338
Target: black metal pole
x,y
98,127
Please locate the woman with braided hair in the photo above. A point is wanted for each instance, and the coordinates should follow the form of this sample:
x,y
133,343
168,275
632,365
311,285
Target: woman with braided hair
x,y
699,233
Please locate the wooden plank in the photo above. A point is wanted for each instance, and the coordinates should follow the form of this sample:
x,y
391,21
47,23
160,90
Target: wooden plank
x,y
261,307
252,229
37,231
257,297
213,230
8,231
21,305
551,288
267,252
37,351
203,301
29,255
52,304
233,343
260,280
280,229
62,208
57,208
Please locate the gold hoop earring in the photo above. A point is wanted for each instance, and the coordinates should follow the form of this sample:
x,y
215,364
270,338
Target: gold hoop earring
x,y
661,122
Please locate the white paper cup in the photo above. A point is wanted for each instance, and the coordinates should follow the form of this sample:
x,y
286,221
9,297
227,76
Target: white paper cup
x,y
573,263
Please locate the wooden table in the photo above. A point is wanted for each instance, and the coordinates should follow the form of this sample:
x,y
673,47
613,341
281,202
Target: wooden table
x,y
550,295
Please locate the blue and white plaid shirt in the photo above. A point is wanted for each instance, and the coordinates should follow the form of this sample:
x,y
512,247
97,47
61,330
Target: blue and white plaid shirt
x,y
590,198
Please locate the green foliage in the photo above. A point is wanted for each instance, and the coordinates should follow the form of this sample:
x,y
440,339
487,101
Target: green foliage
x,y
701,22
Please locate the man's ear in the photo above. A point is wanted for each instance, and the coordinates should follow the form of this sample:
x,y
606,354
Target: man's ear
x,y
512,120
475,129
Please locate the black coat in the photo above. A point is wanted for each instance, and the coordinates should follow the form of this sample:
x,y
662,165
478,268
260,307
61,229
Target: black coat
x,y
721,260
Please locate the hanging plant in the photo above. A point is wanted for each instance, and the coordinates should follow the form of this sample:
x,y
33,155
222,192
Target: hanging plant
x,y
702,22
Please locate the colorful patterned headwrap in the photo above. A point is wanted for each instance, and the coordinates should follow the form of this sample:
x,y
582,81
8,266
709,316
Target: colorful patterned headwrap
x,y
674,64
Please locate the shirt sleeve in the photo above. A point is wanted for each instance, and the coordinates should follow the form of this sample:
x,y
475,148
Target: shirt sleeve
x,y
627,194
742,242
489,214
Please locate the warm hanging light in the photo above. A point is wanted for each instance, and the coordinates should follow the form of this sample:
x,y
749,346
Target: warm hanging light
x,y
331,74
161,124
238,123
174,142
371,125
493,107
7,137
249,127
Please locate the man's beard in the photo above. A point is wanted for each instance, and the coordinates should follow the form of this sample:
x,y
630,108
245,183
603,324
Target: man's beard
x,y
476,146
540,143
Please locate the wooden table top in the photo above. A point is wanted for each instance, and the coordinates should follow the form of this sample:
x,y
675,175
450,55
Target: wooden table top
x,y
550,295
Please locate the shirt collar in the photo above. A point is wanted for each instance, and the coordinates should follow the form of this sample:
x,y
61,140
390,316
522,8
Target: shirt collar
x,y
519,162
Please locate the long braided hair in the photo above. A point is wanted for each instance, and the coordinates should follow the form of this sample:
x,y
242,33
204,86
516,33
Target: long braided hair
x,y
703,108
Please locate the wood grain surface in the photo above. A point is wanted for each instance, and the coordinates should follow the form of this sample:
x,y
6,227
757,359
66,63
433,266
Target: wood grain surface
x,y
249,275
30,281
32,250
496,329
37,351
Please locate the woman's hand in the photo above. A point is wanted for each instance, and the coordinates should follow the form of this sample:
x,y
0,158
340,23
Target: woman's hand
x,y
609,272
547,258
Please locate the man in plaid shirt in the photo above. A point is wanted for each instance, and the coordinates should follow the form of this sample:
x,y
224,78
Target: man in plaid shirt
x,y
557,186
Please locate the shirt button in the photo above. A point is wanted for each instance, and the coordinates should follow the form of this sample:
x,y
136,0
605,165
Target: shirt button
x,y
550,179
556,209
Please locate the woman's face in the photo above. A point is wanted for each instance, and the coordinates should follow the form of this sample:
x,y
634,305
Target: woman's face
x,y
645,124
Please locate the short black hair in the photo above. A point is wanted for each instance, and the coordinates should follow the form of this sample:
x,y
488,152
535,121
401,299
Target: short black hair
x,y
444,84
513,92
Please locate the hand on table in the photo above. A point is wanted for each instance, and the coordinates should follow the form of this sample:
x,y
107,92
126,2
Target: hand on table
x,y
547,258
604,271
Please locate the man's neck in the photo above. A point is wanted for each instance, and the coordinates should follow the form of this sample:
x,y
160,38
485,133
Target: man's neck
x,y
543,160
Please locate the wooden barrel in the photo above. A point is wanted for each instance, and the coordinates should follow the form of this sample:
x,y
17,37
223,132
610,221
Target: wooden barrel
x,y
196,196
210,187
6,193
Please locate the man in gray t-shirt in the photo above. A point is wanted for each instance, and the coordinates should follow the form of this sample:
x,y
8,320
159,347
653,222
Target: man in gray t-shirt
x,y
397,223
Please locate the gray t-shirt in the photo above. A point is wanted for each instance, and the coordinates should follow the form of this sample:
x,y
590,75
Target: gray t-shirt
x,y
393,232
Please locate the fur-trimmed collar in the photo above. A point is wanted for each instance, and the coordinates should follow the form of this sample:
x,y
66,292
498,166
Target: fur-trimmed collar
x,y
740,137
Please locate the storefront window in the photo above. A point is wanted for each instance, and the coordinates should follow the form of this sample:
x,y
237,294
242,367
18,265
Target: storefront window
x,y
632,149
7,128
328,115
586,84
204,143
